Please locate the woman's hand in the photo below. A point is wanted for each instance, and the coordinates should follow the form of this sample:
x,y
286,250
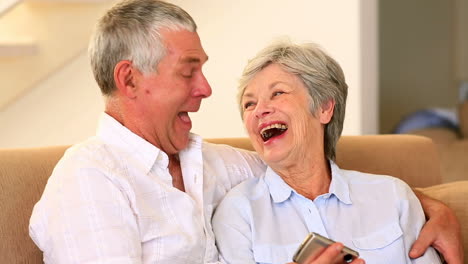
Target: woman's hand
x,y
331,255
441,231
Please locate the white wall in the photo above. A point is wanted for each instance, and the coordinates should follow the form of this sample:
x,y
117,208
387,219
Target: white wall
x,y
64,108
230,38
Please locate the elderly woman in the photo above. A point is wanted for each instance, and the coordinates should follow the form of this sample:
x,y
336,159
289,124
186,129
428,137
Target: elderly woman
x,y
292,99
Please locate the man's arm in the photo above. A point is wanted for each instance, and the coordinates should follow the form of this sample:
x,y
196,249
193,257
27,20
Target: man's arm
x,y
85,218
441,231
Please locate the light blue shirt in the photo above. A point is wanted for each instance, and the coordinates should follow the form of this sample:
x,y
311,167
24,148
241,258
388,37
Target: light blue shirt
x,y
263,220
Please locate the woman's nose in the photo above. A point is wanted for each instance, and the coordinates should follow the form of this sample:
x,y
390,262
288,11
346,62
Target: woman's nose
x,y
262,109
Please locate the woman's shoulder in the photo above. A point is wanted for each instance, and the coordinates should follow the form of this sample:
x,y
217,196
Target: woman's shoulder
x,y
364,178
376,183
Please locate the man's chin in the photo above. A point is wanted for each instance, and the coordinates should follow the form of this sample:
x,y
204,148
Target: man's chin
x,y
180,142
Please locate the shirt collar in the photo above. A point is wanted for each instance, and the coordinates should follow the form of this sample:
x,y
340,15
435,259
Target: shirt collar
x,y
339,185
281,191
113,133
194,146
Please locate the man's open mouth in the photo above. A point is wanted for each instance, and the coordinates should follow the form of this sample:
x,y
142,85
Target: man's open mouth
x,y
184,116
273,130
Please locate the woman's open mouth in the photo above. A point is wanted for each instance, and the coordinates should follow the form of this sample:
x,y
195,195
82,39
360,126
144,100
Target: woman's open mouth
x,y
272,130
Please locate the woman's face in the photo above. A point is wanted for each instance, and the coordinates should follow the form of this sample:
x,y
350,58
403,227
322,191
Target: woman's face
x,y
278,120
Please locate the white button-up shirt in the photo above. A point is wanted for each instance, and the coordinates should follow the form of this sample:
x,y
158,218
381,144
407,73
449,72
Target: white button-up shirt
x,y
264,220
111,200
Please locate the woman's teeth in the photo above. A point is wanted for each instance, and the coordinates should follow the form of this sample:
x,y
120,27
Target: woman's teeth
x,y
272,131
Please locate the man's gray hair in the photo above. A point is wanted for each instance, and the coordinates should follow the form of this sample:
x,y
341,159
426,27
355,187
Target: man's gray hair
x,y
321,74
131,30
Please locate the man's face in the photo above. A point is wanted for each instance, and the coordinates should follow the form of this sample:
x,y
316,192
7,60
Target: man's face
x,y
175,89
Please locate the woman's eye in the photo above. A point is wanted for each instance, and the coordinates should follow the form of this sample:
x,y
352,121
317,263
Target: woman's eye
x,y
277,93
248,105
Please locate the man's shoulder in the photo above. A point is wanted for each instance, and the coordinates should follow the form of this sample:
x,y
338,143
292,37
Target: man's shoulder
x,y
89,154
230,157
229,153
221,148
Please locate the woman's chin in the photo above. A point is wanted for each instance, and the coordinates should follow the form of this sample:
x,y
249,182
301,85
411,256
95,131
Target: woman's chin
x,y
275,150
274,156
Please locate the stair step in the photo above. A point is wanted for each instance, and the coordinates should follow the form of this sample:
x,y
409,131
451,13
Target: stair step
x,y
18,47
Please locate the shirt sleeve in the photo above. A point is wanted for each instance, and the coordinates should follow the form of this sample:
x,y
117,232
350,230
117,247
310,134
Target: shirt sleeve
x,y
233,231
412,220
239,164
84,217
247,163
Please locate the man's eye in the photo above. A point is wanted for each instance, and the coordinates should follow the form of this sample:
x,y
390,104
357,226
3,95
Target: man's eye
x,y
277,93
187,74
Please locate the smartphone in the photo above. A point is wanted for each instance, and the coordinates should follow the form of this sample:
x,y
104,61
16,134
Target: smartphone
x,y
314,244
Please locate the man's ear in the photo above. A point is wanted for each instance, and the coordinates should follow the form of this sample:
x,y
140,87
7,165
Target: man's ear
x,y
326,111
124,76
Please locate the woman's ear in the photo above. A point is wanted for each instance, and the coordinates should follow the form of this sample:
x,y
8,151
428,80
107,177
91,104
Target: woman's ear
x,y
326,111
124,76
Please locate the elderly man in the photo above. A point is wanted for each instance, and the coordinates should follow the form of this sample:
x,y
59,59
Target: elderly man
x,y
143,190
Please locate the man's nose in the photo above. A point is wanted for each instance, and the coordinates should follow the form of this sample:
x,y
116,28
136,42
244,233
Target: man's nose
x,y
203,88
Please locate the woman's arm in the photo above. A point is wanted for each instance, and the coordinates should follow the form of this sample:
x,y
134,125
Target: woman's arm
x,y
441,231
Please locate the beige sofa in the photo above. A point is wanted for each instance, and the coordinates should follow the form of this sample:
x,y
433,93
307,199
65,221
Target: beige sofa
x,y
24,172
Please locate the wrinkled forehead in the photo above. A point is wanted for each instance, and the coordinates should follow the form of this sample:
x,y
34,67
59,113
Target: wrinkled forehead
x,y
274,75
186,44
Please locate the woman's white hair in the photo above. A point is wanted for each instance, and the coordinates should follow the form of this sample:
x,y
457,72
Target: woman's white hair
x,y
321,75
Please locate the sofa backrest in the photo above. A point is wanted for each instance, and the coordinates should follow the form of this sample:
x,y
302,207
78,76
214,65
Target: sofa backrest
x,y
24,173
413,159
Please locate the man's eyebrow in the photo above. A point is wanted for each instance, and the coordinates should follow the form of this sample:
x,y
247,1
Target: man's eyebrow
x,y
192,59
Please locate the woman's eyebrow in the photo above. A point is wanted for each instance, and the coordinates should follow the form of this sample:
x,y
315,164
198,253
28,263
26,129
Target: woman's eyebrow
x,y
247,95
270,87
